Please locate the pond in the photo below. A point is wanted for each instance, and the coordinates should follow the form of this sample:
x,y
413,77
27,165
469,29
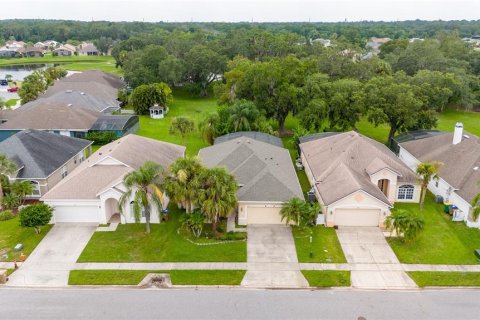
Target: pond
x,y
20,71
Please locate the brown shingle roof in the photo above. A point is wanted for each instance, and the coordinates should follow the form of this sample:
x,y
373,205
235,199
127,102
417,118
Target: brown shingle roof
x,y
341,165
458,161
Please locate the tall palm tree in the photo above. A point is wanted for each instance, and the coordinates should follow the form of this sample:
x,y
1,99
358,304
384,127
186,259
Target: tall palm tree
x,y
180,184
243,116
144,185
6,167
427,171
217,194
476,207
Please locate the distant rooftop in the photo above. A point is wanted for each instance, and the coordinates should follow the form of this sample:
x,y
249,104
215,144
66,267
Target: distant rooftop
x,y
260,136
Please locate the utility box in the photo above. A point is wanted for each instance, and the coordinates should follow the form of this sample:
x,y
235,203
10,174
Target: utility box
x,y
477,253
18,247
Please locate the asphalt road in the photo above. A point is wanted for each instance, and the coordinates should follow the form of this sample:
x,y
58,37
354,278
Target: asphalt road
x,y
237,304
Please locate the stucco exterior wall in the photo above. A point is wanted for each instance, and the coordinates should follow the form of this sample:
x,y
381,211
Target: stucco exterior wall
x,y
392,185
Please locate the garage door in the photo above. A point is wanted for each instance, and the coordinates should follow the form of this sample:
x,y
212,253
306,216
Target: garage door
x,y
76,214
357,217
262,215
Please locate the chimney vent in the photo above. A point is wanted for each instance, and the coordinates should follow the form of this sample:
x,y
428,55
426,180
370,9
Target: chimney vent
x,y
458,133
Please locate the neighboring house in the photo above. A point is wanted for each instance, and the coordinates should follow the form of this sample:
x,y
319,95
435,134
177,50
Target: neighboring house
x,y
374,44
43,158
65,50
356,179
264,172
30,52
459,173
325,42
87,49
40,45
92,192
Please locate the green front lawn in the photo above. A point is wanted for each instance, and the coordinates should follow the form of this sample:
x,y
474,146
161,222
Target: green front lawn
x,y
325,245
11,102
183,105
134,277
327,278
130,243
445,279
441,242
11,234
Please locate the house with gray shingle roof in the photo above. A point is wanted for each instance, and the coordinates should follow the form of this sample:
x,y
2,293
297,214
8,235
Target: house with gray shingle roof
x,y
264,171
43,158
356,179
459,173
92,192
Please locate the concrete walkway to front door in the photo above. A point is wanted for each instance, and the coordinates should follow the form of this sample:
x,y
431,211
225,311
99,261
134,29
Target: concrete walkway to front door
x,y
272,258
367,246
50,263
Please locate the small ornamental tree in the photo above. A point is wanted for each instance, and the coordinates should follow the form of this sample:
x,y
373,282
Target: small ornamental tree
x,y
299,212
405,223
36,216
182,126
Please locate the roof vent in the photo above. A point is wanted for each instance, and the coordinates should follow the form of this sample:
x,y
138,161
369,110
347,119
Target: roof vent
x,y
69,105
69,91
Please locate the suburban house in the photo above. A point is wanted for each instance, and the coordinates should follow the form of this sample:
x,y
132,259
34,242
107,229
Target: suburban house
x,y
374,44
30,52
11,47
43,158
74,106
356,179
87,49
459,173
92,192
65,50
264,172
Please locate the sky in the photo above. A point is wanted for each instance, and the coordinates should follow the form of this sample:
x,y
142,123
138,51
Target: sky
x,y
242,10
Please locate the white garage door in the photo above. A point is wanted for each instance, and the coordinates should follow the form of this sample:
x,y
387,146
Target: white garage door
x,y
357,217
262,215
76,214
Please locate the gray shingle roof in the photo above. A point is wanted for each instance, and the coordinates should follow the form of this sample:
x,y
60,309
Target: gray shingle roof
x,y
264,171
260,136
341,164
40,153
96,76
80,99
458,161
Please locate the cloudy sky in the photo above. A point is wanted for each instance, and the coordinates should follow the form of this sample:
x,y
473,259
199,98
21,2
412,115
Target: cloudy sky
x,y
242,10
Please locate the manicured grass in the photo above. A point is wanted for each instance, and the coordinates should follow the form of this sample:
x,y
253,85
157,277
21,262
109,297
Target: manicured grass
x,y
183,105
302,176
130,243
445,279
327,278
107,66
325,245
178,277
11,102
441,242
11,234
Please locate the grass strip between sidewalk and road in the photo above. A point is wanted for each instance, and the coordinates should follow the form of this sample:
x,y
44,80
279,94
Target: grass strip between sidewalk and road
x,y
327,278
445,278
134,277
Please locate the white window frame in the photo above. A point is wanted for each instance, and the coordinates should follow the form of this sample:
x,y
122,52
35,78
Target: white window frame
x,y
36,192
406,192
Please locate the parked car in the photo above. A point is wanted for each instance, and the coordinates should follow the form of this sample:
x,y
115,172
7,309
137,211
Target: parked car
x,y
14,89
3,82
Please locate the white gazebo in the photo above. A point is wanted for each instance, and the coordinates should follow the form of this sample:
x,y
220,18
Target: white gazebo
x,y
158,112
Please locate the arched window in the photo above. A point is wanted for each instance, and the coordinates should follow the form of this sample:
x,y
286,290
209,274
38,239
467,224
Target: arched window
x,y
35,189
406,192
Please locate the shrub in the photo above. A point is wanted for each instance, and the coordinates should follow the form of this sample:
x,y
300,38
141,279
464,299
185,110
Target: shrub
x,y
101,137
36,216
405,223
6,215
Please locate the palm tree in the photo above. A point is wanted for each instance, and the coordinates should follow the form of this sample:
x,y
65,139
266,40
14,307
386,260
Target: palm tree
x,y
183,126
144,185
22,189
180,183
427,171
292,210
208,127
243,115
476,207
217,194
405,224
6,167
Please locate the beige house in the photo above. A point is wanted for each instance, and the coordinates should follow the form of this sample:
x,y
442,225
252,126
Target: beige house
x,y
264,172
43,158
92,192
356,180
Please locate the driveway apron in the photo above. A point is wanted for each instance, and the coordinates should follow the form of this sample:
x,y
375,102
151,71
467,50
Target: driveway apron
x,y
50,263
367,245
272,259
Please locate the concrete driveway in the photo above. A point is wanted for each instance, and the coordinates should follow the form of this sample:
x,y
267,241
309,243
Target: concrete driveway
x,y
50,263
272,259
367,246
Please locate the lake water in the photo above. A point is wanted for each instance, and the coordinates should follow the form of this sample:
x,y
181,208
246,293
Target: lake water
x,y
19,72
